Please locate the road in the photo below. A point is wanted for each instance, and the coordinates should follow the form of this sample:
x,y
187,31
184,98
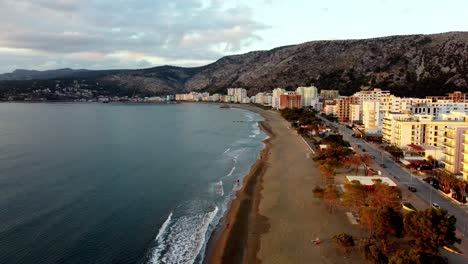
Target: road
x,y
404,178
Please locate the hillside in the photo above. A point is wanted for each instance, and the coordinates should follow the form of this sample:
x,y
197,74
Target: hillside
x,y
413,65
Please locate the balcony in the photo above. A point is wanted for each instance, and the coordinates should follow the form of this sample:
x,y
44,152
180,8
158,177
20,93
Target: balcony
x,y
449,145
449,162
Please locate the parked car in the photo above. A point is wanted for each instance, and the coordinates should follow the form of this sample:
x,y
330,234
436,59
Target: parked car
x,y
363,150
412,189
383,165
435,206
373,157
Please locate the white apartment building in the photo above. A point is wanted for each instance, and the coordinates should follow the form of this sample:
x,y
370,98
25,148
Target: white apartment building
x,y
402,129
307,93
355,115
440,107
372,95
275,100
464,161
237,94
372,116
454,139
263,99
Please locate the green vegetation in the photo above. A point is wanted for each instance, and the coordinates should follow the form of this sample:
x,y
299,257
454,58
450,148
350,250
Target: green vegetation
x,y
395,151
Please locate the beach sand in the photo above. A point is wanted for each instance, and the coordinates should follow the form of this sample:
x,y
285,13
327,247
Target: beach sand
x,y
275,215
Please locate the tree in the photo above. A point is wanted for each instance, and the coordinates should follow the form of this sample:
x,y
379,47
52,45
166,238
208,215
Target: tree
x,y
414,256
385,196
318,192
354,161
387,222
330,195
367,216
429,230
345,241
371,252
395,151
355,195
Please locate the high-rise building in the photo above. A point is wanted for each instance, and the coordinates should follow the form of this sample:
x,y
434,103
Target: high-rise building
x,y
465,156
275,99
307,93
372,117
290,100
344,108
454,139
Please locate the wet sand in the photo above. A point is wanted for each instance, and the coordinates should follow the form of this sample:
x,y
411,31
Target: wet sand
x,y
275,215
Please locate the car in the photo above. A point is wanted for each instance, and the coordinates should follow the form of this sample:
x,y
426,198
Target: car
x,y
363,150
435,206
373,157
383,165
412,189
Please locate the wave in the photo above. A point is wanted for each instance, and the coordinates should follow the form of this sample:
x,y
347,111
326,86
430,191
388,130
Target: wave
x,y
159,240
231,172
218,188
184,239
227,150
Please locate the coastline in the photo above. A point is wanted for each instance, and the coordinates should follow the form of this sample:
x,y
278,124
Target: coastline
x,y
275,216
238,238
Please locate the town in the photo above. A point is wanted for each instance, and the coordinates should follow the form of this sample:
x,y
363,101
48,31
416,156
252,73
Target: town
x,y
426,135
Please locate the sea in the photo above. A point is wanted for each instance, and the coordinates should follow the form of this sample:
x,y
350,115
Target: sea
x,y
119,183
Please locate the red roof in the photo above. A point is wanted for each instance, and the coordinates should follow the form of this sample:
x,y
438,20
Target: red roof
x,y
416,147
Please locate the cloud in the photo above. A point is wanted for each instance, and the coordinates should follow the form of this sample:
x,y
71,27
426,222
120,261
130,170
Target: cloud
x,y
89,32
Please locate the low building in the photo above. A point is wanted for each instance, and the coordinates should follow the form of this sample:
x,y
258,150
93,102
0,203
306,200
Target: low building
x,y
371,180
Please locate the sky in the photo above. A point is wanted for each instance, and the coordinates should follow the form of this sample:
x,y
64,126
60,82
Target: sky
x,y
128,34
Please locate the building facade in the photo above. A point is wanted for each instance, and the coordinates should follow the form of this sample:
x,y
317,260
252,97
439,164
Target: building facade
x,y
290,100
454,139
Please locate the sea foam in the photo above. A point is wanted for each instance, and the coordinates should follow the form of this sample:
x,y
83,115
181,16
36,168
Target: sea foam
x,y
184,239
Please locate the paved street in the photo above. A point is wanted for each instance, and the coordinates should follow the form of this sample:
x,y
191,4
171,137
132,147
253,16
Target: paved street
x,y
402,177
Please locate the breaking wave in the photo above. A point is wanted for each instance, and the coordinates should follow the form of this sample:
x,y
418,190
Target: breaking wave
x,y
182,241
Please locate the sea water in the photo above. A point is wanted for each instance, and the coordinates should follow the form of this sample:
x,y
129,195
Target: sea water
x,y
106,183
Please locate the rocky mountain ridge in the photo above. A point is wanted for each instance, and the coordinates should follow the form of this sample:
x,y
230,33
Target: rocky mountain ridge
x,y
413,65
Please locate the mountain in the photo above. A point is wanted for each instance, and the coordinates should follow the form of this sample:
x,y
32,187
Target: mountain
x,y
21,74
413,65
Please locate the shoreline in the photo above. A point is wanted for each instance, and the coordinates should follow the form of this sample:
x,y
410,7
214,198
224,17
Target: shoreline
x,y
274,217
236,239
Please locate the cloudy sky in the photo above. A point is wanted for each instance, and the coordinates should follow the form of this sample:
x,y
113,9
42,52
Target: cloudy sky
x,y
105,34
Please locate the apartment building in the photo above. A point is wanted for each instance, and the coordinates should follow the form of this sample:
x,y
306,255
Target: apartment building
x,y
402,129
290,100
343,108
307,93
454,139
464,161
275,99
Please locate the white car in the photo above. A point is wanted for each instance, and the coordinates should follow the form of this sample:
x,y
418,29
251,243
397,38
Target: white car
x,y
435,206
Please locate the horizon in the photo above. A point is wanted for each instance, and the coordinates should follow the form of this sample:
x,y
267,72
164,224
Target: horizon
x,y
146,34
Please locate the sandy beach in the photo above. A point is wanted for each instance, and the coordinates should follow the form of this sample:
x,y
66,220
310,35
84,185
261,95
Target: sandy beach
x,y
275,215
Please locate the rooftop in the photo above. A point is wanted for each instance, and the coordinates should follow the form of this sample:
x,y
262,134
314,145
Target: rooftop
x,y
370,180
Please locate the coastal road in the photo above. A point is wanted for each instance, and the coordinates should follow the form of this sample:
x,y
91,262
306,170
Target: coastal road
x,y
404,178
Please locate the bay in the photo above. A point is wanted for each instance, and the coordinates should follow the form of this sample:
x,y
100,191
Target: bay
x,y
105,183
